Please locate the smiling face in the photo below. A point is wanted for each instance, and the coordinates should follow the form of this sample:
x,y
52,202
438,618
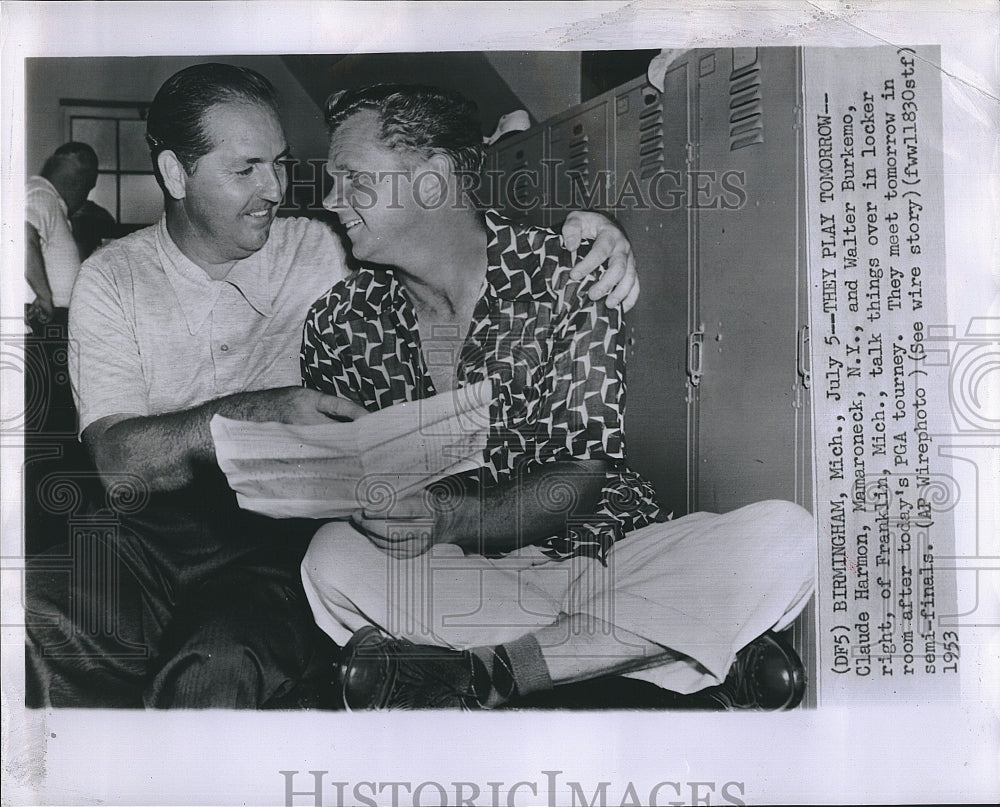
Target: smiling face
x,y
229,201
373,191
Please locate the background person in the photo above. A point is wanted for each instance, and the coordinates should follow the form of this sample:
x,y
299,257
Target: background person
x,y
197,315
53,261
92,226
547,566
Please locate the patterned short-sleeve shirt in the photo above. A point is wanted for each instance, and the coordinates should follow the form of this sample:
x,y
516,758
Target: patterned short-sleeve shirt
x,y
556,360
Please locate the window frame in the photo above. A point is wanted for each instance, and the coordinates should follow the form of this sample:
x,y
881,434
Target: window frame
x,y
72,109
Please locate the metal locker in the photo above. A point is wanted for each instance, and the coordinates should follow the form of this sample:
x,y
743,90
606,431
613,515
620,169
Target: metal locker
x,y
706,179
802,399
804,629
514,184
651,137
746,193
578,154
753,434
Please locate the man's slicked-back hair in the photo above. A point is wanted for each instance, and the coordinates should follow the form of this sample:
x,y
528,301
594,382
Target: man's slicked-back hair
x,y
176,118
417,119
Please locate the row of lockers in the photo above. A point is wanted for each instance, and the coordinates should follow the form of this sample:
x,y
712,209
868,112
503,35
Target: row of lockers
x,y
705,178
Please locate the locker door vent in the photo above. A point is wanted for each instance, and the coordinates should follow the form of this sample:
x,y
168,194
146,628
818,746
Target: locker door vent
x,y
650,137
522,190
746,111
579,152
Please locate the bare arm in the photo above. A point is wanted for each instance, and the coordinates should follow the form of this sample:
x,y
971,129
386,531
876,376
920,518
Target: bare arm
x,y
524,510
166,450
521,511
34,272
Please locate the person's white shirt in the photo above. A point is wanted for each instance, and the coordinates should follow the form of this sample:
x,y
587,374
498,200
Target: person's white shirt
x,y
46,211
152,333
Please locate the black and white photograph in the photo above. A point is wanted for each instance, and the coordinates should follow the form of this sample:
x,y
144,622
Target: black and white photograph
x,y
500,403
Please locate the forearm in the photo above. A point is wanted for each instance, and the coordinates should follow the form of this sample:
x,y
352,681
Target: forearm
x,y
523,510
34,265
167,450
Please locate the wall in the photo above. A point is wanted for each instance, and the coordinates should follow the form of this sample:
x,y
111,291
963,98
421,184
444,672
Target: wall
x,y
468,72
47,80
547,82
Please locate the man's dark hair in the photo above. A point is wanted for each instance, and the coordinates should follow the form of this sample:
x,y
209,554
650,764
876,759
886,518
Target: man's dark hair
x,y
419,119
70,155
176,118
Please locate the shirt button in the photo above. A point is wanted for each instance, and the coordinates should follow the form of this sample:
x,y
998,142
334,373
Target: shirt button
x,y
224,348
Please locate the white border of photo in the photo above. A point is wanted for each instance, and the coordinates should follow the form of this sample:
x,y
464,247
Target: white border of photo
x,y
894,752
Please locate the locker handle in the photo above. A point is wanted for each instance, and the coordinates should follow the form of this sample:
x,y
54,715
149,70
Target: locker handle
x,y
802,357
695,342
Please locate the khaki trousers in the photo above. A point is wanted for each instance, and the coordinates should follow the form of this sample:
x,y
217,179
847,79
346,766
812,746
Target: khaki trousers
x,y
704,586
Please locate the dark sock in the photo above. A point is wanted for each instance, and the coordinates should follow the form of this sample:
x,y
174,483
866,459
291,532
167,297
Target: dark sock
x,y
504,671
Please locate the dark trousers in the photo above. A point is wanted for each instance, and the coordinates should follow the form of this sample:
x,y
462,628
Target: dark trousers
x,y
179,600
58,475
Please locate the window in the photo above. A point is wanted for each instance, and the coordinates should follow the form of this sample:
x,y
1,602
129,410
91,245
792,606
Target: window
x,y
126,186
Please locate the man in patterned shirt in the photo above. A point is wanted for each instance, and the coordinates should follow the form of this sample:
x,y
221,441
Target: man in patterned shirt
x,y
545,566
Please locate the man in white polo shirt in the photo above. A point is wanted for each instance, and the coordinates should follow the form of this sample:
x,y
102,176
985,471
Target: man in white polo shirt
x,y
199,314
52,261
52,257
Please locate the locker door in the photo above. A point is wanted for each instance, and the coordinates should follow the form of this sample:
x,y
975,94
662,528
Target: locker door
x,y
652,132
515,184
578,153
803,629
802,400
745,193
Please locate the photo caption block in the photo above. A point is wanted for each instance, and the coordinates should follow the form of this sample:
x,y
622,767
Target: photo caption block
x,y
884,490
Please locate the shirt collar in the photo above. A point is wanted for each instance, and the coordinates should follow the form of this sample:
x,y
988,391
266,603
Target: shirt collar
x,y
510,276
197,293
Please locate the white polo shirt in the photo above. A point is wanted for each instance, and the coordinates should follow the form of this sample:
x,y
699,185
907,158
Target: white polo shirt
x,y
151,332
46,211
